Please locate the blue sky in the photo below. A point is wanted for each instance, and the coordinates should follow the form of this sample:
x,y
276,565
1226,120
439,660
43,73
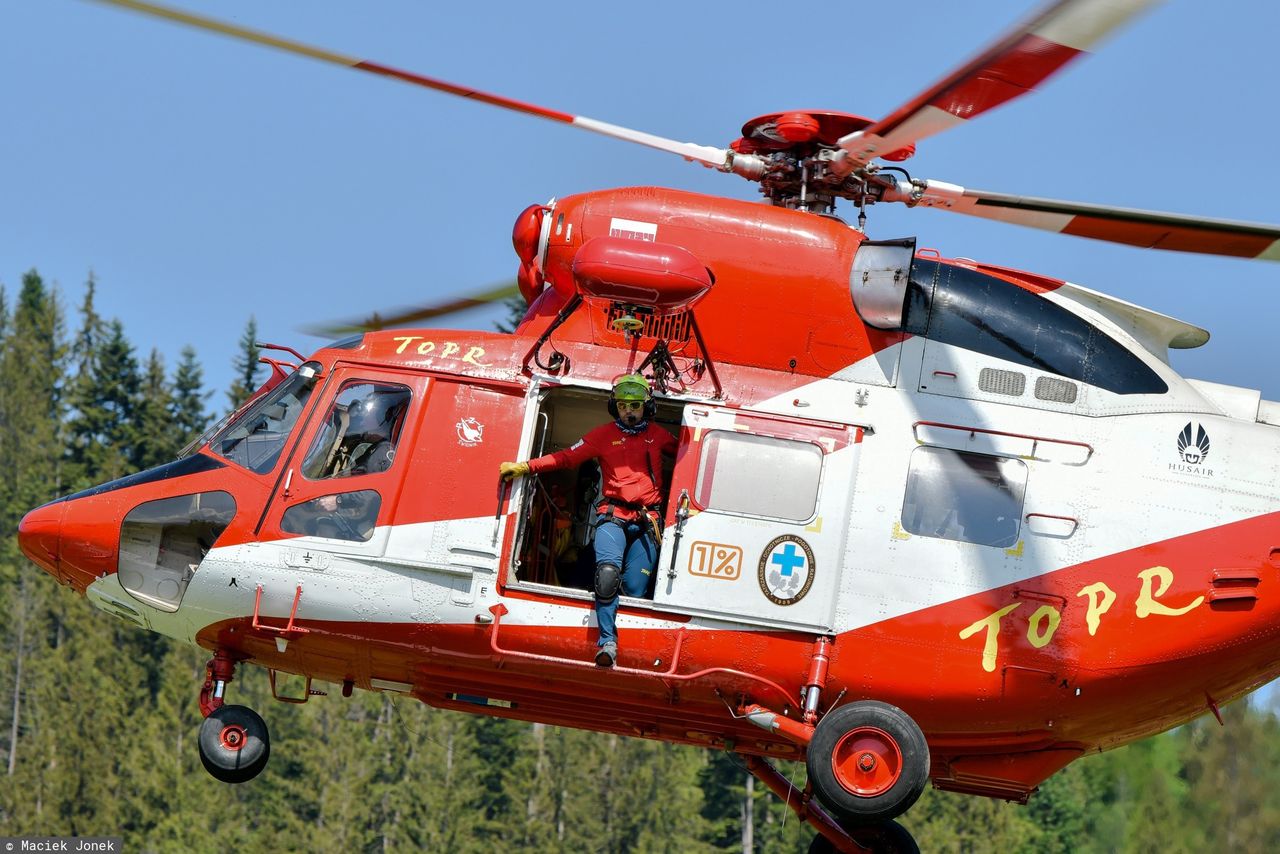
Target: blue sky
x,y
204,180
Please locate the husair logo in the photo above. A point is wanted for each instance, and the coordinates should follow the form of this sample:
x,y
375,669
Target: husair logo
x,y
1193,450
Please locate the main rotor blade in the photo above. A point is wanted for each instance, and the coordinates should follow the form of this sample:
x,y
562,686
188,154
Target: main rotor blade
x,y
1148,229
404,316
1014,65
718,158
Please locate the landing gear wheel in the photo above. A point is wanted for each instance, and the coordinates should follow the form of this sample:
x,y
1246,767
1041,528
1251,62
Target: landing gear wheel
x,y
234,744
868,762
886,837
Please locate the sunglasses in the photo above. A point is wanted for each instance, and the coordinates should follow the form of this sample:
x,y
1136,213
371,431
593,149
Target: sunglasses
x,y
633,405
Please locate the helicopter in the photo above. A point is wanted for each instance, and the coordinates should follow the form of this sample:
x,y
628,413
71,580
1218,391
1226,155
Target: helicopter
x,y
909,539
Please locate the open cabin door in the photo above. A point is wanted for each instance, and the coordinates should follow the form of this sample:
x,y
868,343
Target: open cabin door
x,y
756,518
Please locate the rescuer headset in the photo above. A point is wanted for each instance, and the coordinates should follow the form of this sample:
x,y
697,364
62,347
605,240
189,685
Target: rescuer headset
x,y
632,387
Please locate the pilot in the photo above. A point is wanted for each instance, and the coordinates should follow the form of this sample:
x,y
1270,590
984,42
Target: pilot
x,y
343,516
629,450
368,445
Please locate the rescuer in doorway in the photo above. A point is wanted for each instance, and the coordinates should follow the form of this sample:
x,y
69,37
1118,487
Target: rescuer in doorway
x,y
629,450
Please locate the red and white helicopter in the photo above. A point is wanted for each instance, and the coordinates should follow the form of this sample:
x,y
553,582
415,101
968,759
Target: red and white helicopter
x,y
948,522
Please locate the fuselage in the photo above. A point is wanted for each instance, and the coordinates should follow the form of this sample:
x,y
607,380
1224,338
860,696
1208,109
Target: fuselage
x,y
1009,515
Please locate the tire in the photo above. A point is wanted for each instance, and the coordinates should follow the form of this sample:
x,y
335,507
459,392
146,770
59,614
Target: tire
x,y
868,762
821,845
234,744
887,837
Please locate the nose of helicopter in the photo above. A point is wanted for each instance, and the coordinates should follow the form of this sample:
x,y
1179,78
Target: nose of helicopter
x,y
73,540
40,536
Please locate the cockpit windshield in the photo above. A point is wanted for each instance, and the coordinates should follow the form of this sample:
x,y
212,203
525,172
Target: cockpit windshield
x,y
255,437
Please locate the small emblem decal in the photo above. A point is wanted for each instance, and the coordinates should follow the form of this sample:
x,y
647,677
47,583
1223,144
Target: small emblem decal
x,y
786,570
633,229
715,560
470,432
1193,451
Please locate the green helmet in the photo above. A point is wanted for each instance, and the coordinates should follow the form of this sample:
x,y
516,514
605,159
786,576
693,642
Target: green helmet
x,y
631,387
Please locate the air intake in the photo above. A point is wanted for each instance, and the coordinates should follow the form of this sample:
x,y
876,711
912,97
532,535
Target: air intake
x,y
994,381
1055,390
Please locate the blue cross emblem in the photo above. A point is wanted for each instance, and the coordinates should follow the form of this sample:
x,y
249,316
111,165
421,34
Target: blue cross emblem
x,y
788,560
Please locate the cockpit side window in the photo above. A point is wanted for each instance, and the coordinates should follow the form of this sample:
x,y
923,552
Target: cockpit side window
x,y
256,437
360,432
342,516
966,308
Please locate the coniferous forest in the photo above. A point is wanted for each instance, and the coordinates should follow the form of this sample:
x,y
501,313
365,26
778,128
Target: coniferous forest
x,y
98,719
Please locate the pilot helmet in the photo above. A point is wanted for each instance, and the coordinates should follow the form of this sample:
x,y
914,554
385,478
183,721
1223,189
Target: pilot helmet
x,y
376,414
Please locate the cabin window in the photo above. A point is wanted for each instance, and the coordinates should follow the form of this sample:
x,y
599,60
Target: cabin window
x,y
257,436
759,475
344,516
162,542
966,308
360,433
972,498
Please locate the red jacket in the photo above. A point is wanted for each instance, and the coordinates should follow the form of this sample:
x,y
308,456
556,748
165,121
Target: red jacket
x,y
631,465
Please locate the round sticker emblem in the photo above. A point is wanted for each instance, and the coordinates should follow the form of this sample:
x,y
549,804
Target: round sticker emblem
x,y
470,432
786,570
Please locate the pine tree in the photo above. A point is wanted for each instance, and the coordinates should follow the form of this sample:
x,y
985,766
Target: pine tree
x,y
82,389
1060,810
106,398
723,794
187,412
32,364
499,743
92,330
246,365
31,405
1232,774
517,308
155,441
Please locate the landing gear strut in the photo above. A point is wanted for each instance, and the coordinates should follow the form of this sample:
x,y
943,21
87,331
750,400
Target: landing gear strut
x,y
234,742
884,837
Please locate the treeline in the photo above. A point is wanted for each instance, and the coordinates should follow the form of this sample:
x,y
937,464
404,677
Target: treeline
x,y
98,719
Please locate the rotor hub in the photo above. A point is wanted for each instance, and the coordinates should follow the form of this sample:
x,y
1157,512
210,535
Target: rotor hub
x,y
800,150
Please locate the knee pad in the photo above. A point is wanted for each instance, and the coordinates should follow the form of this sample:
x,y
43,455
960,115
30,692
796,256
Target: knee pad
x,y
608,580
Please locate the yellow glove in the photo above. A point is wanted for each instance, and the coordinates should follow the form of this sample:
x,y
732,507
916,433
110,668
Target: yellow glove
x,y
513,470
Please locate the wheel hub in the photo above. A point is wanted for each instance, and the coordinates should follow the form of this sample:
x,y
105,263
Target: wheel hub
x,y
232,737
867,761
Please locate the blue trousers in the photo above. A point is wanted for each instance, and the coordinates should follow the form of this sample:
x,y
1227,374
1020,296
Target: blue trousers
x,y
630,547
